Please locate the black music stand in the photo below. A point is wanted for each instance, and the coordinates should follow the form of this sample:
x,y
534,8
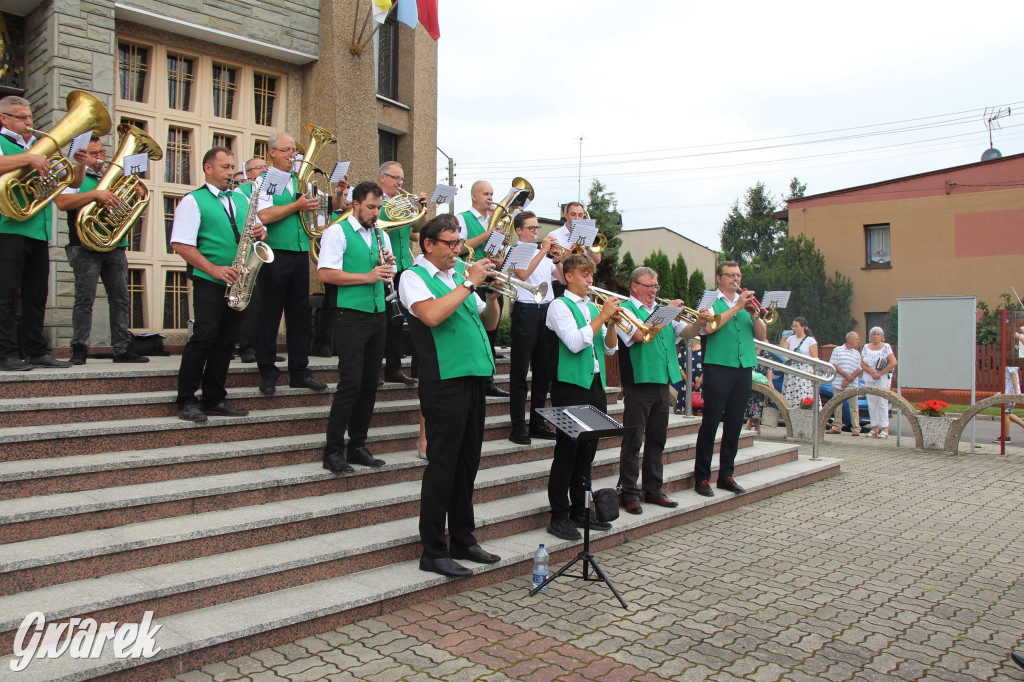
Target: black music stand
x,y
583,423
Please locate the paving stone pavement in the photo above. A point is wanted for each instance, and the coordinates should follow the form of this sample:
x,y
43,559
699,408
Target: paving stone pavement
x,y
908,565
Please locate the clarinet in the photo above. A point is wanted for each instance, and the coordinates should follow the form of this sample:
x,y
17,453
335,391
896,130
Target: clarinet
x,y
395,311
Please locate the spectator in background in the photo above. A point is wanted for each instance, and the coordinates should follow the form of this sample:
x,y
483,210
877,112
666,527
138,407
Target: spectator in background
x,y
878,361
796,388
846,360
757,400
1011,386
695,372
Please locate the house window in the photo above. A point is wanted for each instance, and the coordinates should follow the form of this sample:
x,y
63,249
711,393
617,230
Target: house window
x,y
224,87
265,90
179,82
136,299
387,146
176,301
135,233
876,241
177,165
221,140
872,320
386,44
132,63
170,205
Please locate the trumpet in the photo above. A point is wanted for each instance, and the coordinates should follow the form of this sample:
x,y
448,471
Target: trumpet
x,y
559,252
691,316
626,321
769,315
505,283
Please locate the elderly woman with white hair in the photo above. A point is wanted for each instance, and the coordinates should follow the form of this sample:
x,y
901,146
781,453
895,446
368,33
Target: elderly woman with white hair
x,y
878,361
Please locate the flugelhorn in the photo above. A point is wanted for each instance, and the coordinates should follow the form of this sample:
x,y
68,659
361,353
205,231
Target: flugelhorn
x,y
24,192
505,283
627,321
691,316
101,228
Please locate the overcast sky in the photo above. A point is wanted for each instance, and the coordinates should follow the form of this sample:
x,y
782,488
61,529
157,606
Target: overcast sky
x,y
684,106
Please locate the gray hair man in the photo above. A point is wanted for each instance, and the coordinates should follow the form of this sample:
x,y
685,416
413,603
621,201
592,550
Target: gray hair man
x,y
846,360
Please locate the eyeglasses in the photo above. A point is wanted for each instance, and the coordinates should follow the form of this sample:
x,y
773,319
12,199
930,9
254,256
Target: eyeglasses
x,y
23,117
286,150
451,243
396,178
652,287
530,227
255,168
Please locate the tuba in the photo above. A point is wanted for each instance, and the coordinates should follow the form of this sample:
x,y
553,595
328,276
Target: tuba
x,y
315,181
504,211
23,192
102,228
405,209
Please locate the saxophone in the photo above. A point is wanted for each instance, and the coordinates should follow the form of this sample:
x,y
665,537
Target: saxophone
x,y
250,257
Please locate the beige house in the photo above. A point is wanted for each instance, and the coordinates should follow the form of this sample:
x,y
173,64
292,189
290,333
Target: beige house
x,y
642,243
194,74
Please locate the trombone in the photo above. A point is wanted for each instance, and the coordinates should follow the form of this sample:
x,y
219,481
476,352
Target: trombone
x,y
691,316
626,321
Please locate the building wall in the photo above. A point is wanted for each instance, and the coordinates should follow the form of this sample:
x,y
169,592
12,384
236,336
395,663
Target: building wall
x,y
642,243
968,241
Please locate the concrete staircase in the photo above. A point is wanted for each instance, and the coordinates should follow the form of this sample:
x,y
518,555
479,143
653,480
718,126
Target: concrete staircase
x,y
232,533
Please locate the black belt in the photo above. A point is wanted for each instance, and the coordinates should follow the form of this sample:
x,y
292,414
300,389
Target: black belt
x,y
532,305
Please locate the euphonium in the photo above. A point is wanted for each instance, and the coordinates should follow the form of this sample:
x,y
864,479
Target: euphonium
x,y
23,192
504,211
102,228
314,181
249,258
627,321
404,209
691,316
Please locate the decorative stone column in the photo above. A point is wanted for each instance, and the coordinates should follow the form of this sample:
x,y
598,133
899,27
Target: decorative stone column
x,y
934,430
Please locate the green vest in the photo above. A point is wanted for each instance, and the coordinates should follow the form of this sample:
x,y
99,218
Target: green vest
x,y
463,349
360,258
287,233
400,240
656,362
36,227
578,368
245,189
732,345
473,226
216,240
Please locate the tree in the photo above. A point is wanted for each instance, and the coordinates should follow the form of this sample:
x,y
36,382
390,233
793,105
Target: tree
x,y
695,289
603,208
752,232
659,262
680,279
625,268
796,189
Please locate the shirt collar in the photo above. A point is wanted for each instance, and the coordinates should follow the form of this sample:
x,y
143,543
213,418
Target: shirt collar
x,y
216,192
479,216
4,130
576,299
730,301
636,301
432,269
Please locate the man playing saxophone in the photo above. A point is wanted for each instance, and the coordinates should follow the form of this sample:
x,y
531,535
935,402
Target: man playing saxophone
x,y
356,258
206,231
92,266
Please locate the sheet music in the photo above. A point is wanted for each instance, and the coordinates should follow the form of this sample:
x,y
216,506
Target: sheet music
x,y
707,300
443,193
275,182
79,142
298,162
520,255
340,171
495,243
663,315
136,163
780,299
585,230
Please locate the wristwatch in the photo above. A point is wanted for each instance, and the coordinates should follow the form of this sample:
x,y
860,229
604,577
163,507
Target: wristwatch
x,y
469,285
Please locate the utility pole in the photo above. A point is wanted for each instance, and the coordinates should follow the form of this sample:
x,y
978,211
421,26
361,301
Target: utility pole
x,y
451,178
579,176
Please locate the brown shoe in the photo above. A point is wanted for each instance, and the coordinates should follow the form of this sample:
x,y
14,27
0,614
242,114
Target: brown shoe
x,y
661,500
633,507
834,432
400,377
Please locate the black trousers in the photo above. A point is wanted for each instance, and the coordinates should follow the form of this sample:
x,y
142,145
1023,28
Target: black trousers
x,y
24,268
324,334
206,357
533,344
359,339
454,413
284,286
570,468
393,352
249,332
725,390
646,410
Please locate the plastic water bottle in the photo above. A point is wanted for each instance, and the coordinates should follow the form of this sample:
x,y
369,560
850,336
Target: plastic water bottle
x,y
540,566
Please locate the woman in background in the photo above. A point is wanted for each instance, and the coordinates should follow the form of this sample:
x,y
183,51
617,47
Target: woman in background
x,y
795,388
878,361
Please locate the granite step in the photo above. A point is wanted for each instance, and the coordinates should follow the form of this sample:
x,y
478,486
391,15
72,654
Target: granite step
x,y
228,629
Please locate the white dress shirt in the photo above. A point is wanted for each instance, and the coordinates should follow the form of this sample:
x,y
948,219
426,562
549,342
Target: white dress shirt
x,y
412,289
544,272
187,217
561,321
18,139
463,230
628,339
561,235
333,243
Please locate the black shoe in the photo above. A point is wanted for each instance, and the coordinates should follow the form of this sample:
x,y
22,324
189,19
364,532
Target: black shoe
x,y
248,355
363,456
14,364
278,358
335,463
126,356
595,523
399,377
563,528
704,488
519,437
731,485
79,354
307,382
495,391
542,431
444,566
323,351
47,361
267,386
190,412
475,553
1017,658
222,409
